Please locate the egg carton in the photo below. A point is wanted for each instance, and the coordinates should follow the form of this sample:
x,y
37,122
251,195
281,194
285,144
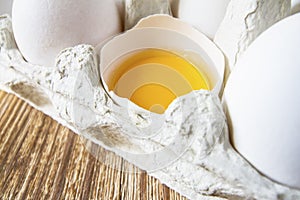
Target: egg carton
x,y
192,154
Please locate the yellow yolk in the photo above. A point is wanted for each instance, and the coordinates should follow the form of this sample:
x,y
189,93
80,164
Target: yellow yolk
x,y
153,78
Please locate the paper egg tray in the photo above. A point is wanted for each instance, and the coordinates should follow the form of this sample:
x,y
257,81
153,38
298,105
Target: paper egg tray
x,y
71,94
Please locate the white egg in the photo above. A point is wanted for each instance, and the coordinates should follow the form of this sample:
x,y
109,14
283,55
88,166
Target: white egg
x,y
43,28
205,15
262,99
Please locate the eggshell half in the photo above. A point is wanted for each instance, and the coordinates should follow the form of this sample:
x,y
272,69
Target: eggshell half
x,y
42,28
262,99
166,32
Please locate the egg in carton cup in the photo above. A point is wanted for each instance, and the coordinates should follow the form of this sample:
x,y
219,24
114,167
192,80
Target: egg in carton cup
x,y
172,122
187,147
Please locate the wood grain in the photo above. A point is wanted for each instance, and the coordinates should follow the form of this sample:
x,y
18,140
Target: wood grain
x,y
40,159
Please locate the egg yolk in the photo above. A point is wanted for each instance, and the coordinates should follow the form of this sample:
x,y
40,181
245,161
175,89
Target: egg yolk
x,y
153,78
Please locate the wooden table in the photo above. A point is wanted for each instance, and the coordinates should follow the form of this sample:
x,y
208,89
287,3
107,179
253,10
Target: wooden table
x,y
40,159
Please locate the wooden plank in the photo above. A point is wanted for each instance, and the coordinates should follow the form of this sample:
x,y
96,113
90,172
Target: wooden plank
x,y
40,159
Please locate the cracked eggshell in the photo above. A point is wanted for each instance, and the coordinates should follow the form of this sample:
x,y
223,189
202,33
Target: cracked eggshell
x,y
262,99
205,15
181,38
42,28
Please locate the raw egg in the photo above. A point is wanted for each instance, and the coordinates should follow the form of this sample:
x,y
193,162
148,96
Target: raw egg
x,y
153,78
160,59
